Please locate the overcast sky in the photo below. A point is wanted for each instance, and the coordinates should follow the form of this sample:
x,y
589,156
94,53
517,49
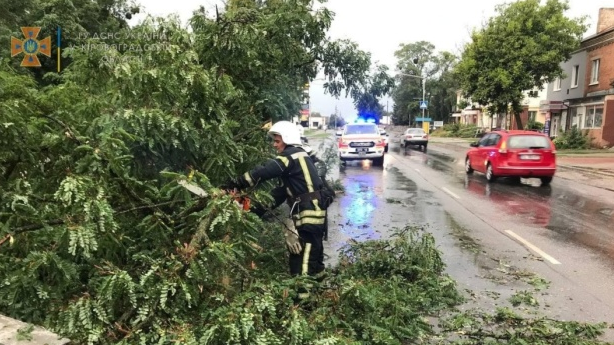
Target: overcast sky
x,y
380,26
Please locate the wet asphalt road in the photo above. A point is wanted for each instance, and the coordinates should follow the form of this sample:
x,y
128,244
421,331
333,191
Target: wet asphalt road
x,y
495,238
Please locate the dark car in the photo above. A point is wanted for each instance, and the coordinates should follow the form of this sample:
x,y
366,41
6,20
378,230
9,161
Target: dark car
x,y
513,154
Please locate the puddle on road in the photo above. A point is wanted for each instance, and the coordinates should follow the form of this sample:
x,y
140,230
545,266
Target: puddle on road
x,y
433,159
374,201
572,218
530,204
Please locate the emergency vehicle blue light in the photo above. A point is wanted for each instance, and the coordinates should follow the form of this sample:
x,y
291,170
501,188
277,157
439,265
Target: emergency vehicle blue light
x,y
363,120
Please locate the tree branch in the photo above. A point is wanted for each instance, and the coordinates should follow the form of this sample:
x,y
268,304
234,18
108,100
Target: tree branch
x,y
54,222
69,132
313,59
145,207
250,131
32,227
5,238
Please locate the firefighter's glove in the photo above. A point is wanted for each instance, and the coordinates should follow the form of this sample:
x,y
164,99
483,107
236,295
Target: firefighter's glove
x,y
291,235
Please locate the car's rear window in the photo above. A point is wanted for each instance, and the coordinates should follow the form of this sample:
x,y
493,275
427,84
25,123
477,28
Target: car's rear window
x,y
528,142
415,131
361,129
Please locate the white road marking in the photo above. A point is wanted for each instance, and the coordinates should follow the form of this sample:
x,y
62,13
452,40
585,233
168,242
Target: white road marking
x,y
450,192
533,248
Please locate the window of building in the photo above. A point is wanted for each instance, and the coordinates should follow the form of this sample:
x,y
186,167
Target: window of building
x,y
574,75
575,117
595,71
532,116
557,84
594,116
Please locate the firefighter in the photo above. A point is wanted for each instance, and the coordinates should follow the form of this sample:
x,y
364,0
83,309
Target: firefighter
x,y
302,187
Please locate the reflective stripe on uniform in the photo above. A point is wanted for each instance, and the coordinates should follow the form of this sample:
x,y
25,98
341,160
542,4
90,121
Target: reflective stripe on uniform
x,y
306,252
248,179
315,217
310,220
298,155
312,213
284,160
306,173
307,177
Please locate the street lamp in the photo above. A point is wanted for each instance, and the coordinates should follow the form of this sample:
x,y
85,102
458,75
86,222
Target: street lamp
x,y
423,89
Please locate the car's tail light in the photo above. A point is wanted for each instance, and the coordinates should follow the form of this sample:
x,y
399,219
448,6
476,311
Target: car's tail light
x,y
425,137
503,148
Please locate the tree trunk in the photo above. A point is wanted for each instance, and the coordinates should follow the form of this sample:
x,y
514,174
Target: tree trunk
x,y
518,121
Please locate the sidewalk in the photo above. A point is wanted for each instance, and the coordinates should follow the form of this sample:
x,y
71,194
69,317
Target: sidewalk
x,y
14,332
594,169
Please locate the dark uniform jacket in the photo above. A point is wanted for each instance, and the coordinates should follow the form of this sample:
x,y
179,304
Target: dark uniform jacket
x,y
299,177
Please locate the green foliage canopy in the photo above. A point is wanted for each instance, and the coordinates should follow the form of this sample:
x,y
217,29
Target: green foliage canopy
x,y
97,239
420,59
519,49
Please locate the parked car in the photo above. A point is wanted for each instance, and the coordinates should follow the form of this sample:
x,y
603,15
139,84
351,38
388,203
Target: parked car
x,y
386,138
362,141
513,154
416,136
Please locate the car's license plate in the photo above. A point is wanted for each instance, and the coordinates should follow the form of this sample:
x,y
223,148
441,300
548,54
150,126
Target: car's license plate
x,y
530,157
362,150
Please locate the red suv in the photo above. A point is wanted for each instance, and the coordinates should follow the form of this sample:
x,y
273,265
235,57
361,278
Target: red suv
x,y
513,154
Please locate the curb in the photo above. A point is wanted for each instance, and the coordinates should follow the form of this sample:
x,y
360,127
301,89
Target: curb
x,y
606,173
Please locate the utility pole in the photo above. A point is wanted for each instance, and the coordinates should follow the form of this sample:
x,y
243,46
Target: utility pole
x,y
423,94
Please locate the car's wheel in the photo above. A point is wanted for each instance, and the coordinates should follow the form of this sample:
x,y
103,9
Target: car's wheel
x,y
378,162
386,148
424,147
490,176
468,168
546,180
